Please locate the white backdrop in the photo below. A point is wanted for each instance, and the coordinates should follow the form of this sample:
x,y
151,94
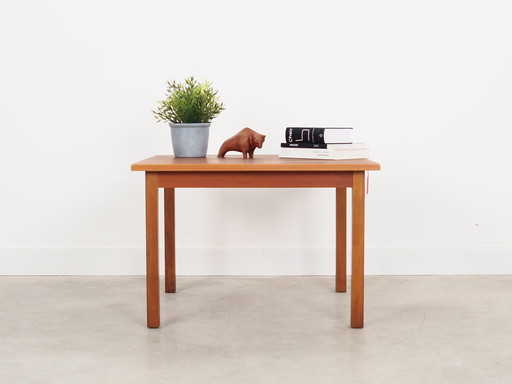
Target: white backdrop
x,y
427,84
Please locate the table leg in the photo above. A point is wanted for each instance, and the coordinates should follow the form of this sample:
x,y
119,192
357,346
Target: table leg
x,y
152,276
357,295
341,239
170,241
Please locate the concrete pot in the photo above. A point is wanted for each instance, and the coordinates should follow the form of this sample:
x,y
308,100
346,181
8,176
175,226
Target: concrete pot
x,y
190,140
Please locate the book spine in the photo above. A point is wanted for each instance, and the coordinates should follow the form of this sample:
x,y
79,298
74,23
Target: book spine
x,y
314,153
303,145
307,156
305,135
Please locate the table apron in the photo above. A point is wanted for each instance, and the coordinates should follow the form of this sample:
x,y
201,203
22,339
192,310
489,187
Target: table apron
x,y
249,179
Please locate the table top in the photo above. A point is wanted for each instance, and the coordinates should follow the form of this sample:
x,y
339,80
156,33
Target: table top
x,y
260,163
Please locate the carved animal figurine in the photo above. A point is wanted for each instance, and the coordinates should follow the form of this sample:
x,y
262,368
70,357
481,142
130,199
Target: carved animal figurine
x,y
245,141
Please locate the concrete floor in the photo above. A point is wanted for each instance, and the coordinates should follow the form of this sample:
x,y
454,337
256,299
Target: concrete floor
x,y
421,329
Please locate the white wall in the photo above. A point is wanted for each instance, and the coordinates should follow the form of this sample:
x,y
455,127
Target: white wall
x,y
427,84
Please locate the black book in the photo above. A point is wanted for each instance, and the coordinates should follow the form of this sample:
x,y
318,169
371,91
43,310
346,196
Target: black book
x,y
318,135
325,146
303,145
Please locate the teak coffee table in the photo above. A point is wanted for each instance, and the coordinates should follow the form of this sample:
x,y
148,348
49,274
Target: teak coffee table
x,y
263,171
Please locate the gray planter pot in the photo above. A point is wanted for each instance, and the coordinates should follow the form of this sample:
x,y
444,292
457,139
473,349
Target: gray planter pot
x,y
190,140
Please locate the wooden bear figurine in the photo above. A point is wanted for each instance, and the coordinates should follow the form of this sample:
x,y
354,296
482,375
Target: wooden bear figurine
x,y
245,141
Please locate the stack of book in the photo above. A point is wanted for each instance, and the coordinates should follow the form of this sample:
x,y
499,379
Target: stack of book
x,y
322,143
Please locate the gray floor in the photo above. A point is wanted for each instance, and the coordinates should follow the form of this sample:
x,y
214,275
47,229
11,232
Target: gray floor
x,y
421,329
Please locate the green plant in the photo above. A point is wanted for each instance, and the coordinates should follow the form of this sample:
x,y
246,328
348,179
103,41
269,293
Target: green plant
x,y
189,102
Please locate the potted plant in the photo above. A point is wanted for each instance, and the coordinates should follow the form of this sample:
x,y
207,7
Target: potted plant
x,y
189,107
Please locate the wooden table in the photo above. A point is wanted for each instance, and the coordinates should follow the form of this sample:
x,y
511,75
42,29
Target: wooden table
x,y
263,171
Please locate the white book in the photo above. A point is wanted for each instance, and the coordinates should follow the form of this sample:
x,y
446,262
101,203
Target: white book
x,y
324,153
